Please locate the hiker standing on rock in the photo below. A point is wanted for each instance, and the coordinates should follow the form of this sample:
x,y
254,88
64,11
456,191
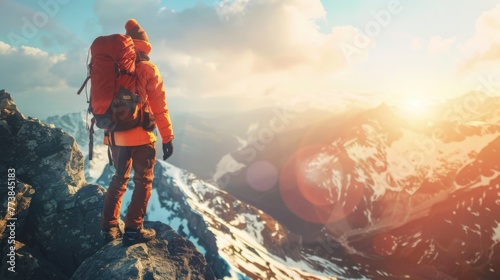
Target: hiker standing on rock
x,y
135,148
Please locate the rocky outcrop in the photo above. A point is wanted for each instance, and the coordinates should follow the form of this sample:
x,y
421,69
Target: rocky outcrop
x,y
55,213
42,155
169,256
55,210
71,233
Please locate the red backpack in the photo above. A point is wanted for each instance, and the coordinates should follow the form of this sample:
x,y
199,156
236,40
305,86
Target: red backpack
x,y
114,99
115,102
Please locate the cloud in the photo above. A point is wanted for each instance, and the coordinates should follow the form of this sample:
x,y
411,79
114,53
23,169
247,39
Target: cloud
x,y
73,68
250,52
416,43
438,45
35,24
238,48
483,49
27,68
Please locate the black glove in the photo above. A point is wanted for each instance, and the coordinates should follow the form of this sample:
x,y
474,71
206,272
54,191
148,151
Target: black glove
x,y
168,149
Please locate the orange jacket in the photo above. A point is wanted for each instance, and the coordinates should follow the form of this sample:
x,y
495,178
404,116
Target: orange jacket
x,y
150,86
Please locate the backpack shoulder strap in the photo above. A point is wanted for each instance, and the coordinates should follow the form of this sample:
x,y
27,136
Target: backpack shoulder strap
x,y
89,71
83,85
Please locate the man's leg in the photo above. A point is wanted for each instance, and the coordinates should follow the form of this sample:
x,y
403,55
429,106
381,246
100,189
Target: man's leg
x,y
143,161
117,187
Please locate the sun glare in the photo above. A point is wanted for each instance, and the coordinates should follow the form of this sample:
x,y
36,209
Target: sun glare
x,y
417,108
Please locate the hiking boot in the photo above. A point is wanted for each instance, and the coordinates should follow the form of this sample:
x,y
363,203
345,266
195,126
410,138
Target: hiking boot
x,y
111,234
141,235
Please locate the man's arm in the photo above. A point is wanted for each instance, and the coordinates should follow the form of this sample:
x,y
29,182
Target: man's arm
x,y
158,102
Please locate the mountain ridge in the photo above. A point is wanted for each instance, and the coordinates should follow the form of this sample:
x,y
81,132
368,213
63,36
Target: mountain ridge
x,y
361,181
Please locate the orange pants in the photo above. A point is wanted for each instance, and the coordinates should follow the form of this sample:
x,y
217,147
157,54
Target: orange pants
x,y
142,159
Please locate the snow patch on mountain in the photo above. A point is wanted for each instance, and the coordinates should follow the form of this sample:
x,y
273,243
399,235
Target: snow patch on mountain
x,y
98,163
252,128
496,233
226,165
481,181
415,155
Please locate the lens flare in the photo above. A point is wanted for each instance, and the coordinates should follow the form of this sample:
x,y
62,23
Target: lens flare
x,y
315,187
320,179
262,176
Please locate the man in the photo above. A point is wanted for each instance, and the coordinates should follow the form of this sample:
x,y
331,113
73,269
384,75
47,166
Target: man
x,y
135,148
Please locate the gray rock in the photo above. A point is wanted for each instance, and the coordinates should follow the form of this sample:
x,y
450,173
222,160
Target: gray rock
x,y
17,208
30,264
48,159
72,232
169,256
44,157
10,119
7,105
61,217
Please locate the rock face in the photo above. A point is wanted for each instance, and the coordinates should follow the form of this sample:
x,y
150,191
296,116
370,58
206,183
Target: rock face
x,y
42,155
169,256
31,264
55,213
71,233
22,200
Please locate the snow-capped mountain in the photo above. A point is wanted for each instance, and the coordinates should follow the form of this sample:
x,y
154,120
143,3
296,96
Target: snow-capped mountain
x,y
233,234
404,200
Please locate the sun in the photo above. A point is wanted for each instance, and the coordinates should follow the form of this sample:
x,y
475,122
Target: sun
x,y
416,107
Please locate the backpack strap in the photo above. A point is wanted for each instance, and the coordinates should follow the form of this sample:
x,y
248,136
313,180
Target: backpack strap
x,y
83,85
89,71
107,135
112,141
110,158
91,138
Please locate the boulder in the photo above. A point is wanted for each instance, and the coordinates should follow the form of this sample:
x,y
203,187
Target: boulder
x,y
48,158
72,232
42,156
169,256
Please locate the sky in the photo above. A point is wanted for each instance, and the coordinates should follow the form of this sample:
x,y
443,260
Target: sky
x,y
231,55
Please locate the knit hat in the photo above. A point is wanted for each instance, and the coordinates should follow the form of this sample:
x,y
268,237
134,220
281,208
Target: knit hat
x,y
141,40
135,31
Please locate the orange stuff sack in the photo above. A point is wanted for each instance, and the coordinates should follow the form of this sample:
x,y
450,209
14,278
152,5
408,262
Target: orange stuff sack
x,y
114,100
